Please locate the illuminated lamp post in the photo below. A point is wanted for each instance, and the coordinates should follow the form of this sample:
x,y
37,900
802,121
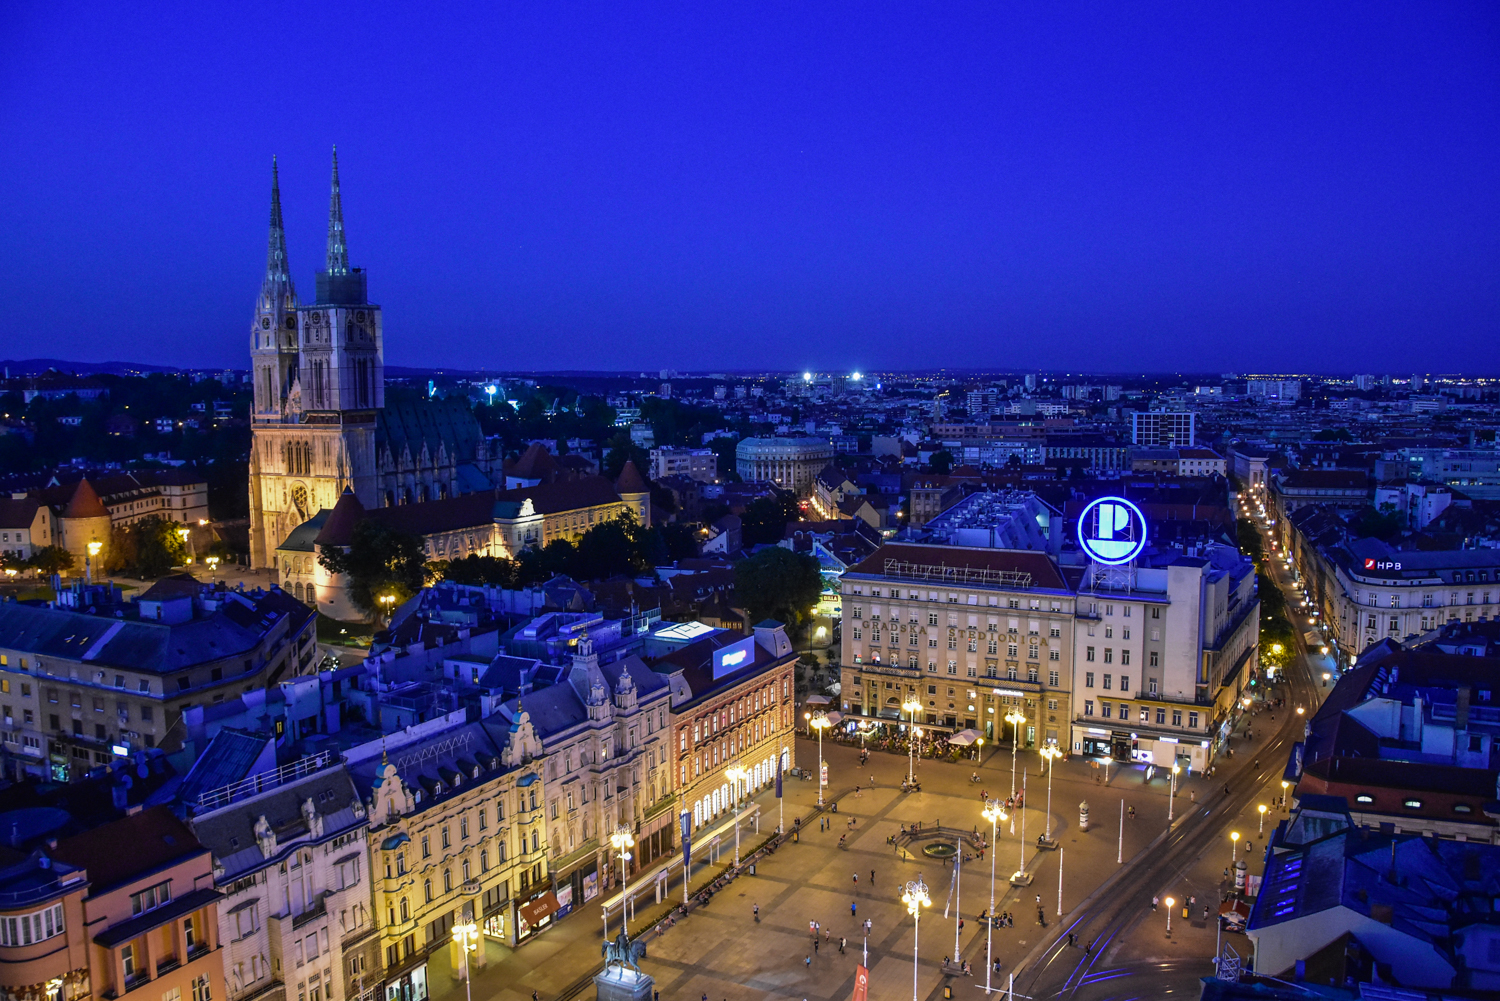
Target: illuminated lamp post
x,y
915,898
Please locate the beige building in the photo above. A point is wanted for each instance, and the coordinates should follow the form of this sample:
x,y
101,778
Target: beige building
x,y
25,526
456,835
790,463
971,633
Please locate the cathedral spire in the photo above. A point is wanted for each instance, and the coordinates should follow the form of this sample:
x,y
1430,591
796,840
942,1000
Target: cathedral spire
x,y
338,252
276,266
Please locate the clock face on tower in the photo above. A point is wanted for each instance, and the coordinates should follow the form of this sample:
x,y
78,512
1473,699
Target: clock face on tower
x,y
265,323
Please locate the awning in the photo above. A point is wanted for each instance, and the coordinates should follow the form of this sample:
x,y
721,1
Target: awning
x,y
534,912
964,738
818,700
835,717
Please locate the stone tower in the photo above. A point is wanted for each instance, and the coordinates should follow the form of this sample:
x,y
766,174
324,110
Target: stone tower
x,y
320,382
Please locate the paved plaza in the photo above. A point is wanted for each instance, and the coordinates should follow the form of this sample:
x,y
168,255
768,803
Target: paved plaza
x,y
721,951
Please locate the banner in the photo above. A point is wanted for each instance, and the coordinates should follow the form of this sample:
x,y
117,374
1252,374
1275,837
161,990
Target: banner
x,y
861,984
778,776
823,778
687,843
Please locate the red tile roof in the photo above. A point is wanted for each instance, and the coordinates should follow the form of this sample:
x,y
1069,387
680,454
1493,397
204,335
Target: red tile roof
x,y
84,503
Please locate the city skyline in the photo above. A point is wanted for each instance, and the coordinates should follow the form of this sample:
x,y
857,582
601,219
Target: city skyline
x,y
822,189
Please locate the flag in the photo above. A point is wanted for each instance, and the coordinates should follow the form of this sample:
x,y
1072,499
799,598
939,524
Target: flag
x,y
861,984
687,842
778,776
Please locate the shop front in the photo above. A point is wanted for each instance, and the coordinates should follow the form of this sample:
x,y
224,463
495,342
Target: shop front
x,y
408,984
536,914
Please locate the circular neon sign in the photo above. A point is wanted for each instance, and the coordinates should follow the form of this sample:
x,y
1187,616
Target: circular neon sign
x,y
1112,530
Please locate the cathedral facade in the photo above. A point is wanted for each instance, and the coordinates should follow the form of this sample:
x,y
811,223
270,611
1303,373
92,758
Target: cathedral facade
x,y
320,422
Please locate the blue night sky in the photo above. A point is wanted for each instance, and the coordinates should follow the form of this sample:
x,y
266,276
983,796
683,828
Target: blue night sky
x,y
1211,187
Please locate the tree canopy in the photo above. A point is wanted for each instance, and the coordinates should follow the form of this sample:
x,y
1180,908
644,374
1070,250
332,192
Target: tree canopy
x,y
149,548
780,584
379,561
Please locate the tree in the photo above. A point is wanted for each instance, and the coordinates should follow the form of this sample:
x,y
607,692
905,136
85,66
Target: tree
x,y
778,583
1384,524
379,561
149,548
941,462
477,569
765,518
51,560
612,548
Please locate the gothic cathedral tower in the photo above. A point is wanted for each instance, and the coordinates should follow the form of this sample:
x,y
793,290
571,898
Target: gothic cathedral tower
x,y
319,380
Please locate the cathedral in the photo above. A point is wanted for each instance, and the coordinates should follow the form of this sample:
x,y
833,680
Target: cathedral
x,y
320,419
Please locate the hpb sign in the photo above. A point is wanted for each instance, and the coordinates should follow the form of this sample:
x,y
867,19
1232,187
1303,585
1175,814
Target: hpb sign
x,y
1112,530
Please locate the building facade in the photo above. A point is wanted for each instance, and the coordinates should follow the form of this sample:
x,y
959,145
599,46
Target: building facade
x,y
1163,428
80,690
970,633
733,700
291,859
1162,657
151,914
790,463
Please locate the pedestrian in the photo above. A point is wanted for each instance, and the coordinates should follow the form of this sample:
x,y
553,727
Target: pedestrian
x,y
1132,813
1072,940
757,912
851,909
807,961
856,879
815,946
1154,901
872,879
841,946
1041,917
960,924
1088,948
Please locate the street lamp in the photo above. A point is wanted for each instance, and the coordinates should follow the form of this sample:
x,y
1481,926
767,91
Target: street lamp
x,y
466,937
819,722
213,565
915,898
1284,785
623,841
1234,856
994,812
1050,754
980,744
88,561
1262,809
1170,901
736,773
911,706
1015,719
1326,676
1172,796
387,601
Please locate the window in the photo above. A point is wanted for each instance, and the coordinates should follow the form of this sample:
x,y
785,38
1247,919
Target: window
x,y
1088,679
1161,716
1176,717
150,898
1412,804
1052,679
201,989
1124,656
1088,654
1106,709
127,959
1155,659
1108,681
1088,707
1192,721
1124,682
38,926
1109,655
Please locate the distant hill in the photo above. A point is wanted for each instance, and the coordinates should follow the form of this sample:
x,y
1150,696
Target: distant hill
x,y
36,366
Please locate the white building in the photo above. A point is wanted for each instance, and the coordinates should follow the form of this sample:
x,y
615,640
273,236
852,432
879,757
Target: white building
x,y
290,857
1161,655
1274,390
699,464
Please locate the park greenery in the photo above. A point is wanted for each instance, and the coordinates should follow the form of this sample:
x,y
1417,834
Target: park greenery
x,y
778,584
147,548
380,562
